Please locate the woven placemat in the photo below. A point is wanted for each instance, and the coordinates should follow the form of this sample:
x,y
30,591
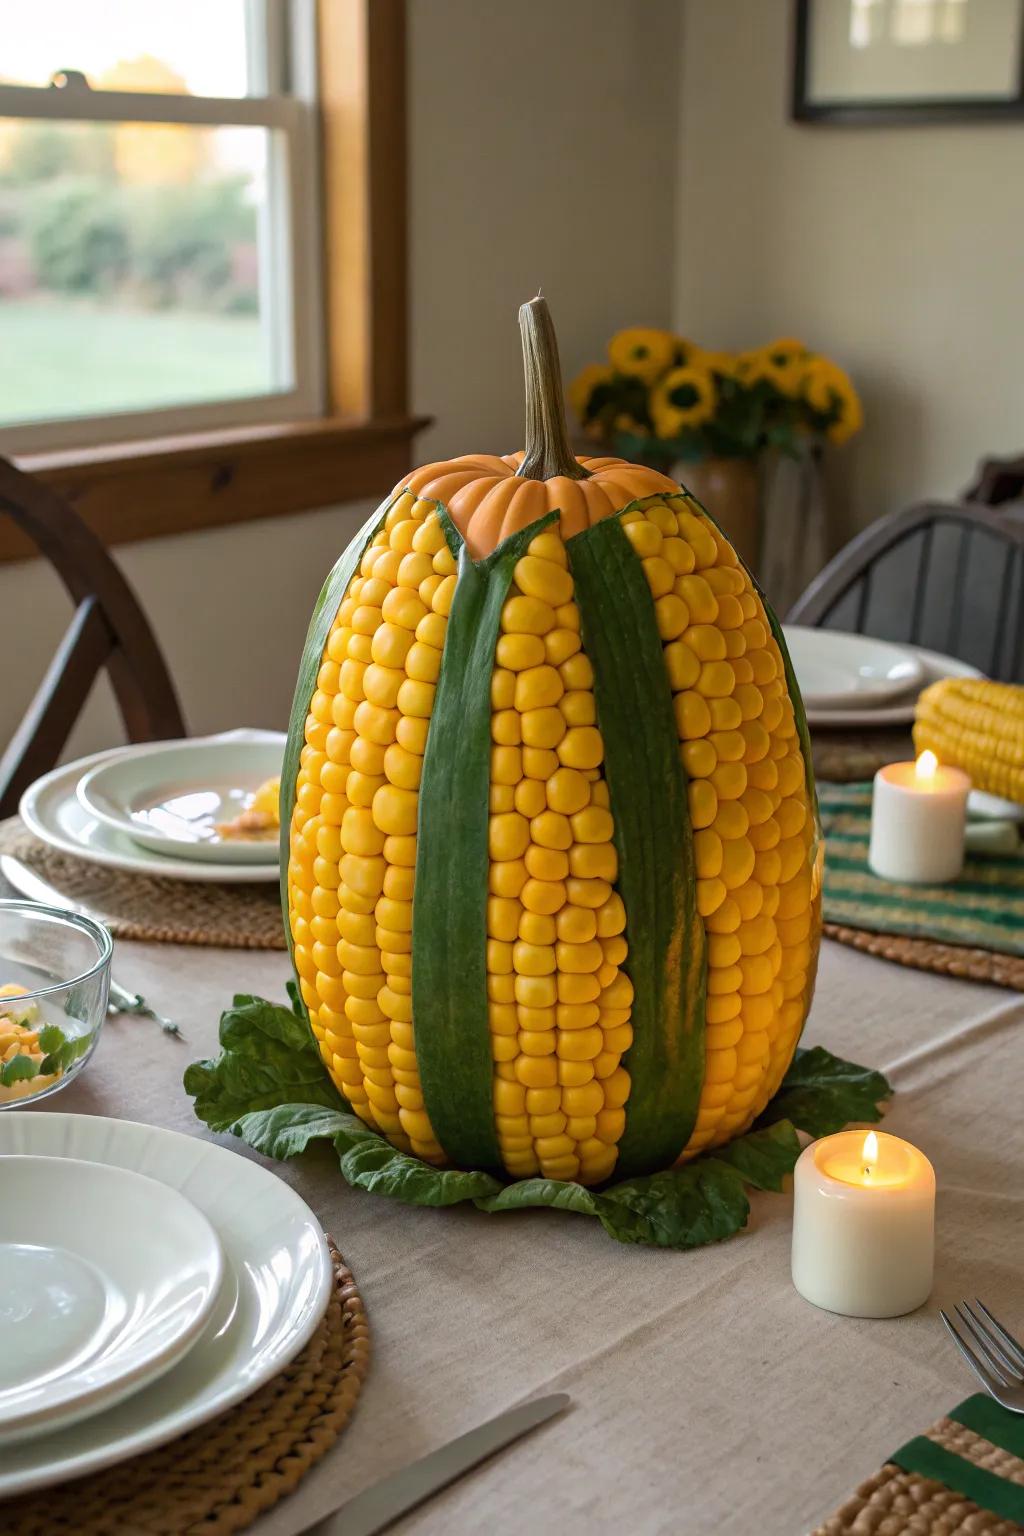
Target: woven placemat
x,y
846,756
151,907
927,955
220,1477
962,1477
971,928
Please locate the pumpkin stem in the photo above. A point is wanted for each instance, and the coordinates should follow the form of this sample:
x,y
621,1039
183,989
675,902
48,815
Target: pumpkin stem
x,y
547,443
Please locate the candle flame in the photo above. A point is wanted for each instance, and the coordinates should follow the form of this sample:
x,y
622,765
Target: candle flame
x,y
869,1154
926,765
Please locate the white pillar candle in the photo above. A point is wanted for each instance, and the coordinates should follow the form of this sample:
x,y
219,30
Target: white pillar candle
x,y
918,814
863,1224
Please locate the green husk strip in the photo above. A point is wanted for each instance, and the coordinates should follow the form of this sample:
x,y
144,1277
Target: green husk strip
x,y
324,614
653,837
449,944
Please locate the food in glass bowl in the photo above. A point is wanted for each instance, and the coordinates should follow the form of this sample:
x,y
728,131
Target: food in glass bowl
x,y
27,1064
53,999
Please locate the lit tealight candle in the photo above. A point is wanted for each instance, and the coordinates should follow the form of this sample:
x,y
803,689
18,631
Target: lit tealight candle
x,y
864,1225
918,815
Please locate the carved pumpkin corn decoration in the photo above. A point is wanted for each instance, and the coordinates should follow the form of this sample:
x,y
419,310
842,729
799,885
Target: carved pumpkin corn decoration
x,y
551,870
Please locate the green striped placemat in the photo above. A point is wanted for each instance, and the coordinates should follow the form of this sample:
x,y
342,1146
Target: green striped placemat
x,y
984,909
965,1474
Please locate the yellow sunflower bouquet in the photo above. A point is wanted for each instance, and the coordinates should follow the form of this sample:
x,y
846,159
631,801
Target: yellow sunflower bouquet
x,y
660,398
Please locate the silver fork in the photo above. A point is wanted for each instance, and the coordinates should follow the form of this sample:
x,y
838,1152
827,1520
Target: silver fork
x,y
123,1001
995,1356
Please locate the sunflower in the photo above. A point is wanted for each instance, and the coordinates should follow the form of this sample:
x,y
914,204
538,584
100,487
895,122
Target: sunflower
x,y
819,383
684,398
788,357
642,352
721,363
851,415
829,393
686,353
758,367
786,347
588,391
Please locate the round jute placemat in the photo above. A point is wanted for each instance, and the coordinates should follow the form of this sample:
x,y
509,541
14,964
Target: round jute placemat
x,y
151,907
217,1479
848,756
898,1503
928,955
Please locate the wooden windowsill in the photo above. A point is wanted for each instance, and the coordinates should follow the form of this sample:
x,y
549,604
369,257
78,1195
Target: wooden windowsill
x,y
153,489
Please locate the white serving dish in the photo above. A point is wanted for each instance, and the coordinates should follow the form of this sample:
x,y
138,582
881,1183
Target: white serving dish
x,y
899,712
275,1290
841,671
106,1280
170,797
52,811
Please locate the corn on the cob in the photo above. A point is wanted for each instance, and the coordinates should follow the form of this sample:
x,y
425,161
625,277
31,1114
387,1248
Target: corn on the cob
x,y
977,726
353,831
559,1004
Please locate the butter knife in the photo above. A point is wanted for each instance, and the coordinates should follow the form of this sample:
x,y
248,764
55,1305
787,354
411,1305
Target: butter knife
x,y
28,883
376,1507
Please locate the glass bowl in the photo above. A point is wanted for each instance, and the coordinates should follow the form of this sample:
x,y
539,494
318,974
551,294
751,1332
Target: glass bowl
x,y
49,1029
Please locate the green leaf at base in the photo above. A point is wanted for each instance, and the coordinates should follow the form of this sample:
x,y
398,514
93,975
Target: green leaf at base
x,y
269,1088
367,1160
268,1060
821,1093
763,1156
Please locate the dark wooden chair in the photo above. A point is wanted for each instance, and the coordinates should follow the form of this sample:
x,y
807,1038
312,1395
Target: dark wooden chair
x,y
109,629
949,577
997,481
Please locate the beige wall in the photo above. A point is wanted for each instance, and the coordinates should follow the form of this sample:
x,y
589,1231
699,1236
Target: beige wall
x,y
513,185
543,145
896,249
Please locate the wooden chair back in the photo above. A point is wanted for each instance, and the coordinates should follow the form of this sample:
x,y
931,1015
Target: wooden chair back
x,y
997,481
108,629
949,577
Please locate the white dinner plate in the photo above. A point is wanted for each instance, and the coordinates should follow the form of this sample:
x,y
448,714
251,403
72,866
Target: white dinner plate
x,y
171,797
276,1285
841,671
900,712
993,807
106,1279
51,809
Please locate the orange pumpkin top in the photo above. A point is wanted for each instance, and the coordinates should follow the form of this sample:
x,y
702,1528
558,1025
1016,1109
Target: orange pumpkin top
x,y
488,499
490,496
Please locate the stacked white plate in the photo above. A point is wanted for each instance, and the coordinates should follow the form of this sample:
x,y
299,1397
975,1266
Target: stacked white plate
x,y
854,680
850,681
148,1281
155,809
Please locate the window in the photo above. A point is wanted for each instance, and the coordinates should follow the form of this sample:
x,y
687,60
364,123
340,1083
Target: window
x,y
202,257
159,208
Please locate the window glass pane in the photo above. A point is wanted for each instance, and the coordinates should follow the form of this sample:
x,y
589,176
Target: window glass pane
x,y
130,267
195,46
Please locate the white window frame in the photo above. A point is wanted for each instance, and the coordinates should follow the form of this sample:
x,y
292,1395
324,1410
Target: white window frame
x,y
281,39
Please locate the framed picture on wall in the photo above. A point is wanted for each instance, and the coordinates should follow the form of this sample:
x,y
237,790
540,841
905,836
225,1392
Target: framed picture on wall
x,y
894,61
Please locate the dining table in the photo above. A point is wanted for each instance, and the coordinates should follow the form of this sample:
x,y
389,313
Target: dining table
x,y
707,1397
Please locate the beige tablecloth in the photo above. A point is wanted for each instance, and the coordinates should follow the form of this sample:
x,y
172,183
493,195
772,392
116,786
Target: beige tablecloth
x,y
708,1398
